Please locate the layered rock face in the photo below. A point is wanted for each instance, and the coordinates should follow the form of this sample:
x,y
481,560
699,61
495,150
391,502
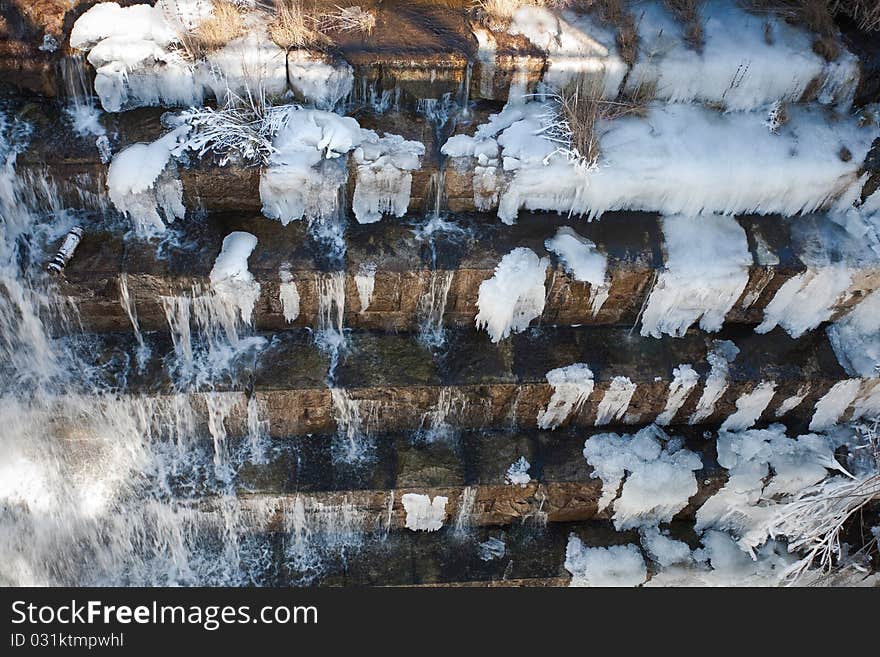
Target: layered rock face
x,y
416,293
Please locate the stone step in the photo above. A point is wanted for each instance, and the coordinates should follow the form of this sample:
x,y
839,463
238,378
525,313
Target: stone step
x,y
534,555
311,475
411,270
388,383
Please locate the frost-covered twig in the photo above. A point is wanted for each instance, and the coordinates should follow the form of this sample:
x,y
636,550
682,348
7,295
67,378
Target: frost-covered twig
x,y
815,519
242,129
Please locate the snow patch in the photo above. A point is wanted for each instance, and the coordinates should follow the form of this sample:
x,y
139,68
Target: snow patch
x,y
707,269
684,379
661,478
856,338
423,513
806,300
834,403
230,279
514,296
617,565
572,385
289,295
662,550
719,359
615,401
518,472
750,406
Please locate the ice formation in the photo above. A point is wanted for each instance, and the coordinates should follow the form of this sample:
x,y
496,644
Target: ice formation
x,y
856,338
142,183
680,159
661,478
617,565
572,385
514,296
423,513
744,506
518,472
720,358
492,548
698,284
806,300
230,279
615,401
384,178
684,380
662,550
307,169
583,261
790,403
750,406
834,403
140,59
288,294
365,281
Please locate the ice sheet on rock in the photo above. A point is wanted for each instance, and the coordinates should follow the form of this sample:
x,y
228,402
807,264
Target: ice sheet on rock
x,y
384,175
318,80
518,472
806,300
514,296
575,45
660,482
750,406
230,278
867,403
615,401
365,281
492,548
305,173
747,61
423,513
617,565
722,355
288,294
707,269
572,385
831,407
679,159
250,63
856,338
684,380
745,505
142,183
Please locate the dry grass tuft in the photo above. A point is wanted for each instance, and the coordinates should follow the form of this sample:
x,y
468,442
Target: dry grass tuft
x,y
294,27
687,12
815,15
225,24
497,14
349,19
580,109
864,12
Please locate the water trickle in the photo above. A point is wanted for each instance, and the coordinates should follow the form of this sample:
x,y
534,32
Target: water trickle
x,y
329,333
354,417
432,307
125,299
464,519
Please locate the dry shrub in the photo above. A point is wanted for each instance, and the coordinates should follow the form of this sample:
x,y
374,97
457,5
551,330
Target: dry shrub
x,y
687,12
864,12
294,27
580,108
616,14
497,14
225,24
349,19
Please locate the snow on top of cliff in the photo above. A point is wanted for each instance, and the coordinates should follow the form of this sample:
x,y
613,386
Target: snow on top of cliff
x,y
747,61
679,159
660,481
514,296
